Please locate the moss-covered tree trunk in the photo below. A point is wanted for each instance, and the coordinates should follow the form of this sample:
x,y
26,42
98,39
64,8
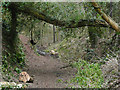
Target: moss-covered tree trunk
x,y
92,36
93,33
13,33
108,19
12,38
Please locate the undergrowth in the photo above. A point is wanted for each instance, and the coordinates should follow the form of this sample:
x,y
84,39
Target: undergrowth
x,y
12,63
88,75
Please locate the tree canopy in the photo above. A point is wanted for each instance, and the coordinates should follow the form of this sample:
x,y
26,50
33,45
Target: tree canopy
x,y
71,23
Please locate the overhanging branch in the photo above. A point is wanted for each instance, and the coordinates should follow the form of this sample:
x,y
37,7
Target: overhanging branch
x,y
71,24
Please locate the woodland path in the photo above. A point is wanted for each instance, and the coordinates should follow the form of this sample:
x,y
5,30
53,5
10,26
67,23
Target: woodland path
x,y
45,69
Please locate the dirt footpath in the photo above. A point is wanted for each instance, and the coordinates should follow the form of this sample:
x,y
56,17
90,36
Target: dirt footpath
x,y
45,69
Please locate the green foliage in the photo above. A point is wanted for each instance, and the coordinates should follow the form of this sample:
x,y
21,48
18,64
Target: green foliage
x,y
67,33
18,70
65,11
5,4
12,62
71,48
10,59
88,75
59,81
17,57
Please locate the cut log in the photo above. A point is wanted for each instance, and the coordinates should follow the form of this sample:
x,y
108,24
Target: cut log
x,y
25,77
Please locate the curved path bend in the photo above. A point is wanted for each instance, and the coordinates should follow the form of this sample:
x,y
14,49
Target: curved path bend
x,y
45,69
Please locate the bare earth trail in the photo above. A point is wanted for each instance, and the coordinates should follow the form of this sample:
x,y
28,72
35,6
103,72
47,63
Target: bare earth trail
x,y
45,69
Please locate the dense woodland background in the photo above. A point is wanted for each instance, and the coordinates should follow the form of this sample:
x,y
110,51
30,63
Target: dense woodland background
x,y
81,37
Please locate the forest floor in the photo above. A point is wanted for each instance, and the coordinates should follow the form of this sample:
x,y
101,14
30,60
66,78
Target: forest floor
x,y
45,69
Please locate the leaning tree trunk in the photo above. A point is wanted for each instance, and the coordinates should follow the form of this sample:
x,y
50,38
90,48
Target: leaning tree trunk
x,y
108,19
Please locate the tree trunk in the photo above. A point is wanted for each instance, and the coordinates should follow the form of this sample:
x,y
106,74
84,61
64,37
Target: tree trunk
x,y
42,36
118,43
111,14
13,36
53,34
109,20
93,37
119,62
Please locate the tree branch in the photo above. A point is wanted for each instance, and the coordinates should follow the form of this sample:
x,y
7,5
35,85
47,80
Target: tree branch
x,y
71,24
108,19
